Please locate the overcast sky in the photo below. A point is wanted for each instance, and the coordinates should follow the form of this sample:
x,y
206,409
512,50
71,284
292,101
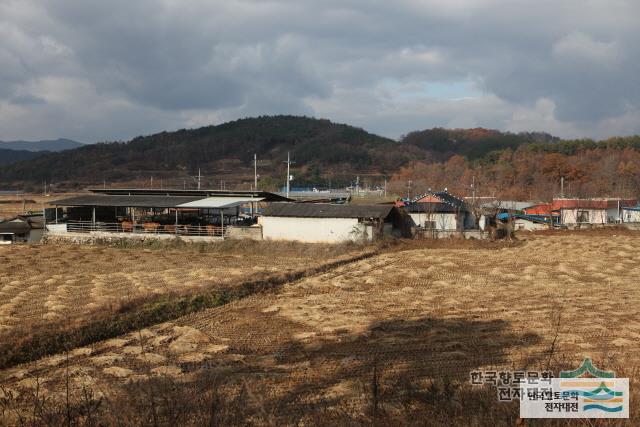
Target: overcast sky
x,y
108,70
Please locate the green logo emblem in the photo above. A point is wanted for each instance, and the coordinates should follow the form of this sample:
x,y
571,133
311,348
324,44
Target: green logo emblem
x,y
587,366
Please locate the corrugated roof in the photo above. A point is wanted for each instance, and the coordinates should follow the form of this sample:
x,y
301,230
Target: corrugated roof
x,y
507,204
138,201
221,202
271,197
533,218
327,210
316,195
592,203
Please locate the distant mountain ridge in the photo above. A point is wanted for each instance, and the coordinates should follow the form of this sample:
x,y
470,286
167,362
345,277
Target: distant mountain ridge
x,y
59,144
12,156
326,154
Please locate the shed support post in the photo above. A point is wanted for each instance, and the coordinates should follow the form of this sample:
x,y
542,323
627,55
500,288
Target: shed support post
x,y
56,215
176,227
93,219
222,222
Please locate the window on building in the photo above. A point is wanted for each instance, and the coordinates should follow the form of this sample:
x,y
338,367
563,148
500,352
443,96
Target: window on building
x,y
429,225
583,216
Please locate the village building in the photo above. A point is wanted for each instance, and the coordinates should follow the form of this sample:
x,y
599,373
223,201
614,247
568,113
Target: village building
x,y
318,196
631,214
576,212
192,214
434,216
329,223
21,229
501,206
525,222
441,211
542,209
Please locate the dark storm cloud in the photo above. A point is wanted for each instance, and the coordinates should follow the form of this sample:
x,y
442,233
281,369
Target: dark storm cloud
x,y
110,70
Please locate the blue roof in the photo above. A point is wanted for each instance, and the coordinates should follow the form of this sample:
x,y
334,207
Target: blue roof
x,y
635,208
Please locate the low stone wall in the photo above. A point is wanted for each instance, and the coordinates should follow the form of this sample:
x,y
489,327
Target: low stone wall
x,y
248,233
112,238
448,234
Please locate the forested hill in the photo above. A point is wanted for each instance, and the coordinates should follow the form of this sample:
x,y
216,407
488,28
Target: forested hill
x,y
325,153
59,144
13,156
225,149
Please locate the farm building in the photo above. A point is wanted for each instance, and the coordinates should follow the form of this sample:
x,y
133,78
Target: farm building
x,y
575,212
188,213
525,222
22,228
318,196
441,211
328,223
631,214
540,209
504,205
434,216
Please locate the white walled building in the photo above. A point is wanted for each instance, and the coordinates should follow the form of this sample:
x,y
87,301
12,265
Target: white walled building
x,y
435,216
325,223
583,215
528,224
631,214
597,211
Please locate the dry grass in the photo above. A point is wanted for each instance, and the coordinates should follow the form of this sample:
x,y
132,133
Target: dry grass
x,y
44,284
409,325
12,205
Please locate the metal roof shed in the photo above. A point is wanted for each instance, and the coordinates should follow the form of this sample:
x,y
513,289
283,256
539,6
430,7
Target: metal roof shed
x,y
323,222
326,210
220,202
134,201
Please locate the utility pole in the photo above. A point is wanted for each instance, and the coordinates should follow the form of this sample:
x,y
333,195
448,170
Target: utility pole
x,y
45,188
255,172
473,190
199,178
562,187
151,182
385,187
409,190
288,162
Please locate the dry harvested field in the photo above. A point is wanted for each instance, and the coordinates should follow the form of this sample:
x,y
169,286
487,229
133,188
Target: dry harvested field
x,y
41,284
12,205
389,339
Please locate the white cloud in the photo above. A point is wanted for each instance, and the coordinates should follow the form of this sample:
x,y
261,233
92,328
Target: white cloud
x,y
581,47
97,70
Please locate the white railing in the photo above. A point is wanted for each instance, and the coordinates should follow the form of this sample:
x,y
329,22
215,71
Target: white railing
x,y
146,228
